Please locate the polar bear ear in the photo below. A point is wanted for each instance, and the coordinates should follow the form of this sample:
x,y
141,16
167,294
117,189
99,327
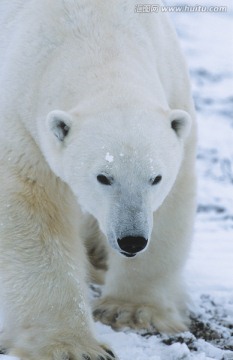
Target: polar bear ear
x,y
59,123
181,123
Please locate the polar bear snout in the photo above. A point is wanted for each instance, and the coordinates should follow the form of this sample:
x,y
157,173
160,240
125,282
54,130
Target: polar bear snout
x,y
131,245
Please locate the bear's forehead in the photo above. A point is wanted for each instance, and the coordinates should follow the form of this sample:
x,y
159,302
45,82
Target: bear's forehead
x,y
124,152
124,161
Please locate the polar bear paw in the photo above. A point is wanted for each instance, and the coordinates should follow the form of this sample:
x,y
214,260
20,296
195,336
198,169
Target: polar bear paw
x,y
63,353
120,315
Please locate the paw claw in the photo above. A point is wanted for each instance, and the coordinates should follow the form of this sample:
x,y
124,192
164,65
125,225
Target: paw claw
x,y
86,357
110,353
101,357
97,313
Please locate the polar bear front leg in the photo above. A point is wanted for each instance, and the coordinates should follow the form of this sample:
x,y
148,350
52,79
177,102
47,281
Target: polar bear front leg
x,y
135,298
42,279
46,312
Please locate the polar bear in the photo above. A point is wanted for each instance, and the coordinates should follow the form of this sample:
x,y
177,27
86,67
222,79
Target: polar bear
x,y
98,139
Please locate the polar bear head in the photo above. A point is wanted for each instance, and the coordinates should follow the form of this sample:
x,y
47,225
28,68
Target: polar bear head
x,y
121,165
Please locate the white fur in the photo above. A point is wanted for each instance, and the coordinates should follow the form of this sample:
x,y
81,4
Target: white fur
x,y
119,82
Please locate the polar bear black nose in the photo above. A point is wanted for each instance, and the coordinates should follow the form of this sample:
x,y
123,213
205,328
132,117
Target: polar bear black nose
x,y
130,245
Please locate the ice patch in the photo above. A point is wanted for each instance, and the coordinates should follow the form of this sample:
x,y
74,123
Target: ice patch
x,y
109,157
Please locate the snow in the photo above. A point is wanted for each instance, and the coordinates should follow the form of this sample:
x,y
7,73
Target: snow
x,y
109,157
207,42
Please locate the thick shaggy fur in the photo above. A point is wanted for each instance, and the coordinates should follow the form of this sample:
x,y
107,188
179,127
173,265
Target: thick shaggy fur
x,y
121,86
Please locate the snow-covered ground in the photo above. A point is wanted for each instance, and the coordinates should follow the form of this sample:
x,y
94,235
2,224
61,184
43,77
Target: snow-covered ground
x,y
207,40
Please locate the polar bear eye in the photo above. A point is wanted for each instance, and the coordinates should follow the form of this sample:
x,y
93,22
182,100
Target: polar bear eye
x,y
104,180
156,180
